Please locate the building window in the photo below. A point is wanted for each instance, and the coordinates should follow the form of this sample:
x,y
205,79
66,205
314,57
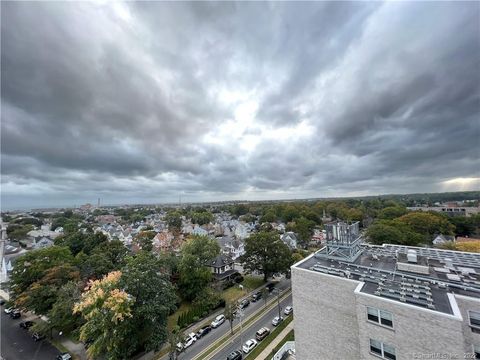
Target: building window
x,y
474,317
381,317
382,350
476,351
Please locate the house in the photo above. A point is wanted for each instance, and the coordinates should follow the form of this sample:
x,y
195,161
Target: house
x,y
290,239
442,239
198,230
223,267
43,243
231,247
162,242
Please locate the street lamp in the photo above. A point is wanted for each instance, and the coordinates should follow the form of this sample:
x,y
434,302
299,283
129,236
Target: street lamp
x,y
240,314
278,302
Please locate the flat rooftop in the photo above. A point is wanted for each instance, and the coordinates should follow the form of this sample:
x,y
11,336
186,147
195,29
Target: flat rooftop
x,y
444,272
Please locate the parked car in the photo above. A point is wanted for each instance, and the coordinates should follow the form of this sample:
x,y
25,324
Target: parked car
x,y
64,356
26,324
189,340
37,337
235,355
8,310
204,331
249,345
15,314
262,333
270,287
2,302
219,320
257,296
244,303
179,347
288,310
277,320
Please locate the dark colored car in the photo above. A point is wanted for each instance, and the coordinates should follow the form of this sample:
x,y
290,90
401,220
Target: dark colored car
x,y
26,324
257,296
270,287
244,303
204,331
2,302
235,355
38,337
15,314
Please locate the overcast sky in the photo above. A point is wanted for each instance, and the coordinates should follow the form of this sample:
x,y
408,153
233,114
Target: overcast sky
x,y
147,101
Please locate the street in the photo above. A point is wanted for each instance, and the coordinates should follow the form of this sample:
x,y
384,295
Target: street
x,y
215,334
17,343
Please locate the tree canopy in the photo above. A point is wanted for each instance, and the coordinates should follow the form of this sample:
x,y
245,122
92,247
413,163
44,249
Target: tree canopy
x,y
266,253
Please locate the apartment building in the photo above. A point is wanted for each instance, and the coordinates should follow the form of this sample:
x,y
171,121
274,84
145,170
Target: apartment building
x,y
357,301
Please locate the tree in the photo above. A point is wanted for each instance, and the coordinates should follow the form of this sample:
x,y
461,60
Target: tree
x,y
304,229
268,217
392,212
266,253
230,314
427,224
154,297
33,266
174,337
196,253
42,294
392,232
144,239
174,221
60,316
105,309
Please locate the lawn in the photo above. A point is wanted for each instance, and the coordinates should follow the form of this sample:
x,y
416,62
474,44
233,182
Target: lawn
x,y
249,283
172,319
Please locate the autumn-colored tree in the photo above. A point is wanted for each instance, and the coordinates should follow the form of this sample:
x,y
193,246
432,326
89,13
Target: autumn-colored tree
x,y
105,309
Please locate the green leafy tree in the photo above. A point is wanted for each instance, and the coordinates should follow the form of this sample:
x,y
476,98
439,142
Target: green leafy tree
x,y
392,212
174,337
196,253
304,229
154,297
60,316
268,217
144,239
266,253
174,221
391,232
427,224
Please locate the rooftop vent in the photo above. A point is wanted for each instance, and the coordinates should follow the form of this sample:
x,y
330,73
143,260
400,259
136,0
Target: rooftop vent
x,y
412,256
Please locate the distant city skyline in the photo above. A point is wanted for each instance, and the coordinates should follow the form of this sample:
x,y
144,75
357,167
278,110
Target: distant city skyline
x,y
140,102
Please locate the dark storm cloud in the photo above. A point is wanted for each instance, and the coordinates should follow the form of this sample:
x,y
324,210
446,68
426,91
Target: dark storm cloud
x,y
145,101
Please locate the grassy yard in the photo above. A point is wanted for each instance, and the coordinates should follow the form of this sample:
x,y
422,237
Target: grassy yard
x,y
172,319
249,283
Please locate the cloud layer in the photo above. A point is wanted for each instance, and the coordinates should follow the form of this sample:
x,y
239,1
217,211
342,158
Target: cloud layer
x,y
143,102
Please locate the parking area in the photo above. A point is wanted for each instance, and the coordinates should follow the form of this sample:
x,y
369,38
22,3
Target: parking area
x,y
17,343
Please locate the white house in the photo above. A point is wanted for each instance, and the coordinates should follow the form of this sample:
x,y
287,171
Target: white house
x,y
290,239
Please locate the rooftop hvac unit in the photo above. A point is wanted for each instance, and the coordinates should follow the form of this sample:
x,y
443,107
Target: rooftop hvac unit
x,y
412,256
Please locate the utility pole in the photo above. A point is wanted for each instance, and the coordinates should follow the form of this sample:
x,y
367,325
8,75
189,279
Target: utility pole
x,y
278,303
240,313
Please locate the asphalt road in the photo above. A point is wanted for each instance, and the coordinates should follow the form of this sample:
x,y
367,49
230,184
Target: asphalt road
x,y
249,333
17,344
211,337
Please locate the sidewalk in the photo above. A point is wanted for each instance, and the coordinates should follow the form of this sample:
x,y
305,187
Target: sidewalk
x,y
267,352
